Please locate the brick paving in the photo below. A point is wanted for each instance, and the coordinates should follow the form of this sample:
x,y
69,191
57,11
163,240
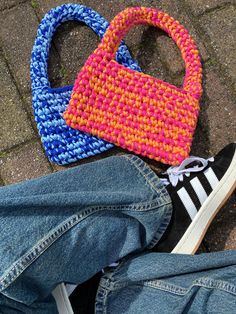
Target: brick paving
x,y
212,23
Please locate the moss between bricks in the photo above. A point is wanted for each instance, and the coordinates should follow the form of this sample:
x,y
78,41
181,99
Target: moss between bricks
x,y
34,4
211,62
2,155
63,72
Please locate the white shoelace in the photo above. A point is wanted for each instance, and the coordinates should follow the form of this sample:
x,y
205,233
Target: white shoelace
x,y
176,173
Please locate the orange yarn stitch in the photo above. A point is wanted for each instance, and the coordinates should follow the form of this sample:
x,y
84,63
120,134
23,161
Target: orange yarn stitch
x,y
134,110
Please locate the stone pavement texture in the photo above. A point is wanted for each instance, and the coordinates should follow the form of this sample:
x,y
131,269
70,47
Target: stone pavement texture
x,y
212,23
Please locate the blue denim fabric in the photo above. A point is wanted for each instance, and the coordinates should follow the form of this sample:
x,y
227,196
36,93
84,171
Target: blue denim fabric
x,y
67,226
170,283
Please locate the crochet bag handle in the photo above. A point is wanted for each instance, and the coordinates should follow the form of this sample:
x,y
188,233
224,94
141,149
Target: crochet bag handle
x,y
47,28
130,17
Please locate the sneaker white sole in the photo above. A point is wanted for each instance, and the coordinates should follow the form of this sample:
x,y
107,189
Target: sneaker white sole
x,y
193,236
62,300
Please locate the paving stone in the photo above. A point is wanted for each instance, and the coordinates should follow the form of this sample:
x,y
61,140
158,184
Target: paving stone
x,y
170,55
27,98
14,125
57,72
26,163
221,112
174,9
109,8
201,144
115,6
201,249
177,10
76,42
105,8
222,232
17,32
73,41
143,44
216,127
81,42
5,4
221,28
148,45
44,6
201,6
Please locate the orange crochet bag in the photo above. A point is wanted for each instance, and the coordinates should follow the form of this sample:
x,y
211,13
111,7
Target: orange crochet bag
x,y
134,110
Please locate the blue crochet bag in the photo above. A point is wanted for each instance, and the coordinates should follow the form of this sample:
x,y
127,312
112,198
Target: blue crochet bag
x,y
63,144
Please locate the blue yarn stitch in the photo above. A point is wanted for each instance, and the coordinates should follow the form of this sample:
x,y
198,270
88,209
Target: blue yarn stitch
x,y
63,144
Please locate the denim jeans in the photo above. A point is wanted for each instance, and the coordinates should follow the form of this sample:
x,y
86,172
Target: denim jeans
x,y
67,226
170,283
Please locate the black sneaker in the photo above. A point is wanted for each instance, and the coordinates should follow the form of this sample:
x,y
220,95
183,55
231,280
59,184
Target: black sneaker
x,y
198,189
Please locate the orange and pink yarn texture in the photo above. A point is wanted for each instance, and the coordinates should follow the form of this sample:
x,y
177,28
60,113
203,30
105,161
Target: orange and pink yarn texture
x,y
134,110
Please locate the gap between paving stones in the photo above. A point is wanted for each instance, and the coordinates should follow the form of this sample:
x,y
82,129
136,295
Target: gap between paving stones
x,y
32,124
13,5
170,76
54,50
5,152
36,9
213,9
221,69
17,148
26,162
22,99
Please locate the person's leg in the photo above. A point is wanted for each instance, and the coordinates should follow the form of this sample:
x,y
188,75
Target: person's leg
x,y
10,306
170,283
67,226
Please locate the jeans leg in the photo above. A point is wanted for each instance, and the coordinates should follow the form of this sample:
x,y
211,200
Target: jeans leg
x,y
170,283
10,306
67,226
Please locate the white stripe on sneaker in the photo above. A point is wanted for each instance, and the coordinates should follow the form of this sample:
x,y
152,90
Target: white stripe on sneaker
x,y
211,177
188,203
199,190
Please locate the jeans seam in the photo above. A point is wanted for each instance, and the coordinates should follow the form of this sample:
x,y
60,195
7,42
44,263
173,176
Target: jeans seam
x,y
202,282
107,285
216,283
15,270
100,300
162,285
109,282
162,228
136,162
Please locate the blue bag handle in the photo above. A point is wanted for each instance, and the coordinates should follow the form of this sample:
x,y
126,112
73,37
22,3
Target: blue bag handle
x,y
48,27
64,145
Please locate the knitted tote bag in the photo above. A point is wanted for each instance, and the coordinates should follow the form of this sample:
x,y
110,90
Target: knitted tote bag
x,y
64,145
134,110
